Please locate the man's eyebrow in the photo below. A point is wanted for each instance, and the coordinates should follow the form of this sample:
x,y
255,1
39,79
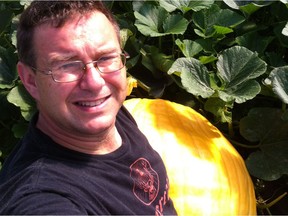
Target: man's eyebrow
x,y
99,53
66,56
57,57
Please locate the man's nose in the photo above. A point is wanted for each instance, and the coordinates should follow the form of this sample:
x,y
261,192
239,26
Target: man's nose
x,y
92,77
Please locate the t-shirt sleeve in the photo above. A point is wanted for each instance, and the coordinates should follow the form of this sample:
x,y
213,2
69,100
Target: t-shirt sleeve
x,y
44,203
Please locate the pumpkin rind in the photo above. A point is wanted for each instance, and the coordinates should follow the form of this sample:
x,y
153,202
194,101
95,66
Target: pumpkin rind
x,y
207,175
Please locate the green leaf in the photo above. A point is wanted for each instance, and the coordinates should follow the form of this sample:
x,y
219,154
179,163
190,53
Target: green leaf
x,y
14,25
248,41
278,32
185,5
263,166
149,20
8,73
238,67
175,24
124,36
220,109
267,127
247,6
222,30
241,93
156,21
194,76
21,98
236,4
285,30
5,19
207,59
210,20
207,44
161,61
189,48
279,82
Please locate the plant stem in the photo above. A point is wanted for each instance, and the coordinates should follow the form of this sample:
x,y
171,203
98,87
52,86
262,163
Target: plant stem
x,y
231,130
273,202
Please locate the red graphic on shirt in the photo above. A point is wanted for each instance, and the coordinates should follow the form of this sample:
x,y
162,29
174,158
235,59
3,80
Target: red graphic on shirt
x,y
146,181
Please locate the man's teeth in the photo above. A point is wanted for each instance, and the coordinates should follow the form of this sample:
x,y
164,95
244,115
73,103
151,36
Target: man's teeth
x,y
91,104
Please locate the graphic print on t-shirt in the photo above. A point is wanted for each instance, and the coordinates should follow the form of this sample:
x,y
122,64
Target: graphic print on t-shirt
x,y
146,181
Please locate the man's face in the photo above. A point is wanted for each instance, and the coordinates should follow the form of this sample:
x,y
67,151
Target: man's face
x,y
86,107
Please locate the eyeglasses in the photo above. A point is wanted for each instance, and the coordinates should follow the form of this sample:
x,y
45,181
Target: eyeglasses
x,y
70,71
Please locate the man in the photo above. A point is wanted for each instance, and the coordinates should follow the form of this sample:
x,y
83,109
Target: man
x,y
83,153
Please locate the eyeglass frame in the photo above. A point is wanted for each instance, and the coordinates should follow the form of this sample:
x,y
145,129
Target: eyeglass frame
x,y
124,54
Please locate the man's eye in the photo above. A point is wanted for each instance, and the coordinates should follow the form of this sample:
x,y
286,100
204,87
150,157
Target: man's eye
x,y
70,66
109,57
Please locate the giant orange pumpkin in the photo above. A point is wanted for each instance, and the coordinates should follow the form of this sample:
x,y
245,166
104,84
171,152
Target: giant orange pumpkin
x,y
207,175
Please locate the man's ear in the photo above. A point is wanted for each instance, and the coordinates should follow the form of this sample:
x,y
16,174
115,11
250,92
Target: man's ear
x,y
28,76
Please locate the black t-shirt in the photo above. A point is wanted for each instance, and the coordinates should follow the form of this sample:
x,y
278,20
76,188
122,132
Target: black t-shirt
x,y
42,177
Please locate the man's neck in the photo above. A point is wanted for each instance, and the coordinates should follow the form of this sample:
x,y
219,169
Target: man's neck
x,y
98,144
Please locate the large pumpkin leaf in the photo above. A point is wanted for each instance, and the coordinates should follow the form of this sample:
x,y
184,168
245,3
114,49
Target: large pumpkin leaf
x,y
155,21
210,20
238,67
21,98
194,76
266,127
279,81
185,5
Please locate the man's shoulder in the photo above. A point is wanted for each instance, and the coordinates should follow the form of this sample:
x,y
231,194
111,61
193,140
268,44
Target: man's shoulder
x,y
42,181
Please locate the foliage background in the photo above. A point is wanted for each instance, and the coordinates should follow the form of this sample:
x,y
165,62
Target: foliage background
x,y
226,59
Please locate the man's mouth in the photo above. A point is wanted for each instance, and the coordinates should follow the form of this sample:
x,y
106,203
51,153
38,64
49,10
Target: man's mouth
x,y
91,103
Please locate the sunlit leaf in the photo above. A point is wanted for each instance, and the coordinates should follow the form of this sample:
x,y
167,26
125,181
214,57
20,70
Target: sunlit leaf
x,y
194,76
285,30
155,21
238,67
210,20
175,24
279,82
241,93
189,48
278,29
185,5
207,59
149,20
247,6
222,29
